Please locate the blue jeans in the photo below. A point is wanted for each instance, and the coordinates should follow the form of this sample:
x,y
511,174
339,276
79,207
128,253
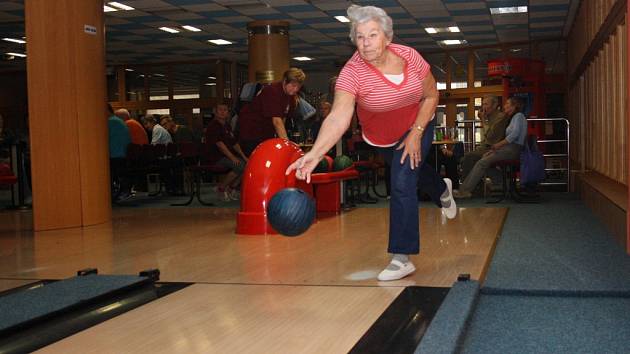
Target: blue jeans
x,y
404,221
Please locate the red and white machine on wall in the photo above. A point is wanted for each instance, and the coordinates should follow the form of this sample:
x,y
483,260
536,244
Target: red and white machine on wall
x,y
524,78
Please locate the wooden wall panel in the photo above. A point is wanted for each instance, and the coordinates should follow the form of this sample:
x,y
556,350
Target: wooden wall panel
x,y
68,129
589,19
603,113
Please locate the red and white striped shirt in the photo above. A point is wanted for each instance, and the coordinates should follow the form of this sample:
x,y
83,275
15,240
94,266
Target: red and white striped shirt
x,y
386,110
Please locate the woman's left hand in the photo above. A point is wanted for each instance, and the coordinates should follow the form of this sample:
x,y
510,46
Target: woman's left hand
x,y
412,148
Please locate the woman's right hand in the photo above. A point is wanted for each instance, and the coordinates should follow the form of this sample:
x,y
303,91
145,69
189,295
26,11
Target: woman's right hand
x,y
304,166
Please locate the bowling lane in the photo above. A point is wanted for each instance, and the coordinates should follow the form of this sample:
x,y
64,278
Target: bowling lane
x,y
220,318
199,245
6,284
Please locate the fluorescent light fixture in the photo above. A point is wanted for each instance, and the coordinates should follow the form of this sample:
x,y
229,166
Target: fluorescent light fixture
x,y
212,78
120,6
433,30
17,55
508,10
219,41
128,69
210,84
342,19
191,28
453,42
14,40
169,30
515,50
302,58
108,9
158,75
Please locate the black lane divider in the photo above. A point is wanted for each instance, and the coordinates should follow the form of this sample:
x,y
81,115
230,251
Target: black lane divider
x,y
401,327
46,328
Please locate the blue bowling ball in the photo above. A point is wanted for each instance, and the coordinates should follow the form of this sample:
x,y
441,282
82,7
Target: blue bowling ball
x,y
291,211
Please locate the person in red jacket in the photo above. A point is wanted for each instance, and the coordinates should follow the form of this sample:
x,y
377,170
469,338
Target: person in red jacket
x,y
264,117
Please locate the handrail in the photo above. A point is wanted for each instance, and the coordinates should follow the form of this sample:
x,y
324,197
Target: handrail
x,y
568,148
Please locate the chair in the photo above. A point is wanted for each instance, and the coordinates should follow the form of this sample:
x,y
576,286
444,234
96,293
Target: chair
x,y
195,165
7,179
509,170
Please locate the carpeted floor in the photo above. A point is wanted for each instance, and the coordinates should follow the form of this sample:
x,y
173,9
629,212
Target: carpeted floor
x,y
539,324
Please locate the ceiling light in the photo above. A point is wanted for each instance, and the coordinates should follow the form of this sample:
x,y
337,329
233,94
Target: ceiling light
x,y
212,78
342,19
14,40
17,55
120,6
169,30
210,84
453,42
219,41
508,10
433,30
515,50
191,28
302,58
158,75
128,69
108,9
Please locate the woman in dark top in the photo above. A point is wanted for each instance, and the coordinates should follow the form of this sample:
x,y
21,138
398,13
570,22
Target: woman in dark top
x,y
224,150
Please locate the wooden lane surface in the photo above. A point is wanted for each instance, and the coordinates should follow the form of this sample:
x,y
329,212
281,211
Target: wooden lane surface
x,y
205,318
6,284
199,245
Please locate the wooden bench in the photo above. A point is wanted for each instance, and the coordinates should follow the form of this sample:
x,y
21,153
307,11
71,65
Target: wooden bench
x,y
609,201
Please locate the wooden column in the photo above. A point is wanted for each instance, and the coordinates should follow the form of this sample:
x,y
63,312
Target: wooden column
x,y
451,106
67,113
628,128
471,84
268,50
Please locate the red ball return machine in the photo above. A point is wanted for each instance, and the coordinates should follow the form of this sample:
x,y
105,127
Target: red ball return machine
x,y
265,175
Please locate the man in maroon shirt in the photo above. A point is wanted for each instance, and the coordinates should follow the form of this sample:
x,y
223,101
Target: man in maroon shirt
x,y
264,117
224,150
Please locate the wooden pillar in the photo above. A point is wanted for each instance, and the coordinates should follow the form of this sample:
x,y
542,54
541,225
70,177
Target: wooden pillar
x,y
67,113
122,85
471,84
268,50
451,105
628,129
220,71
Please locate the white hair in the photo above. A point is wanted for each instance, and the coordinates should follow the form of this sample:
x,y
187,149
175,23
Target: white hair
x,y
361,14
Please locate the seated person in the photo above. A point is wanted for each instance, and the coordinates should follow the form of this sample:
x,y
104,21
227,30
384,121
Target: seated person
x,y
119,139
224,150
159,135
508,148
179,133
494,123
137,132
447,156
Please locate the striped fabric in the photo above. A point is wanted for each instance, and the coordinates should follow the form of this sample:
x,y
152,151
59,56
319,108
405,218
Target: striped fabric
x,y
386,110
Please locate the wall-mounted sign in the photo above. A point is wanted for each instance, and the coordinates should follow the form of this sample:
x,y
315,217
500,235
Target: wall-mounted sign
x,y
89,29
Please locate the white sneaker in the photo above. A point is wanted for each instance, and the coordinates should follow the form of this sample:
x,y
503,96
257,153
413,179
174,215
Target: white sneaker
x,y
234,194
450,211
403,270
222,194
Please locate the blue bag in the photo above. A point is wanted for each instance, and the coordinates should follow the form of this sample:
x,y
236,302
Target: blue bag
x,y
532,163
